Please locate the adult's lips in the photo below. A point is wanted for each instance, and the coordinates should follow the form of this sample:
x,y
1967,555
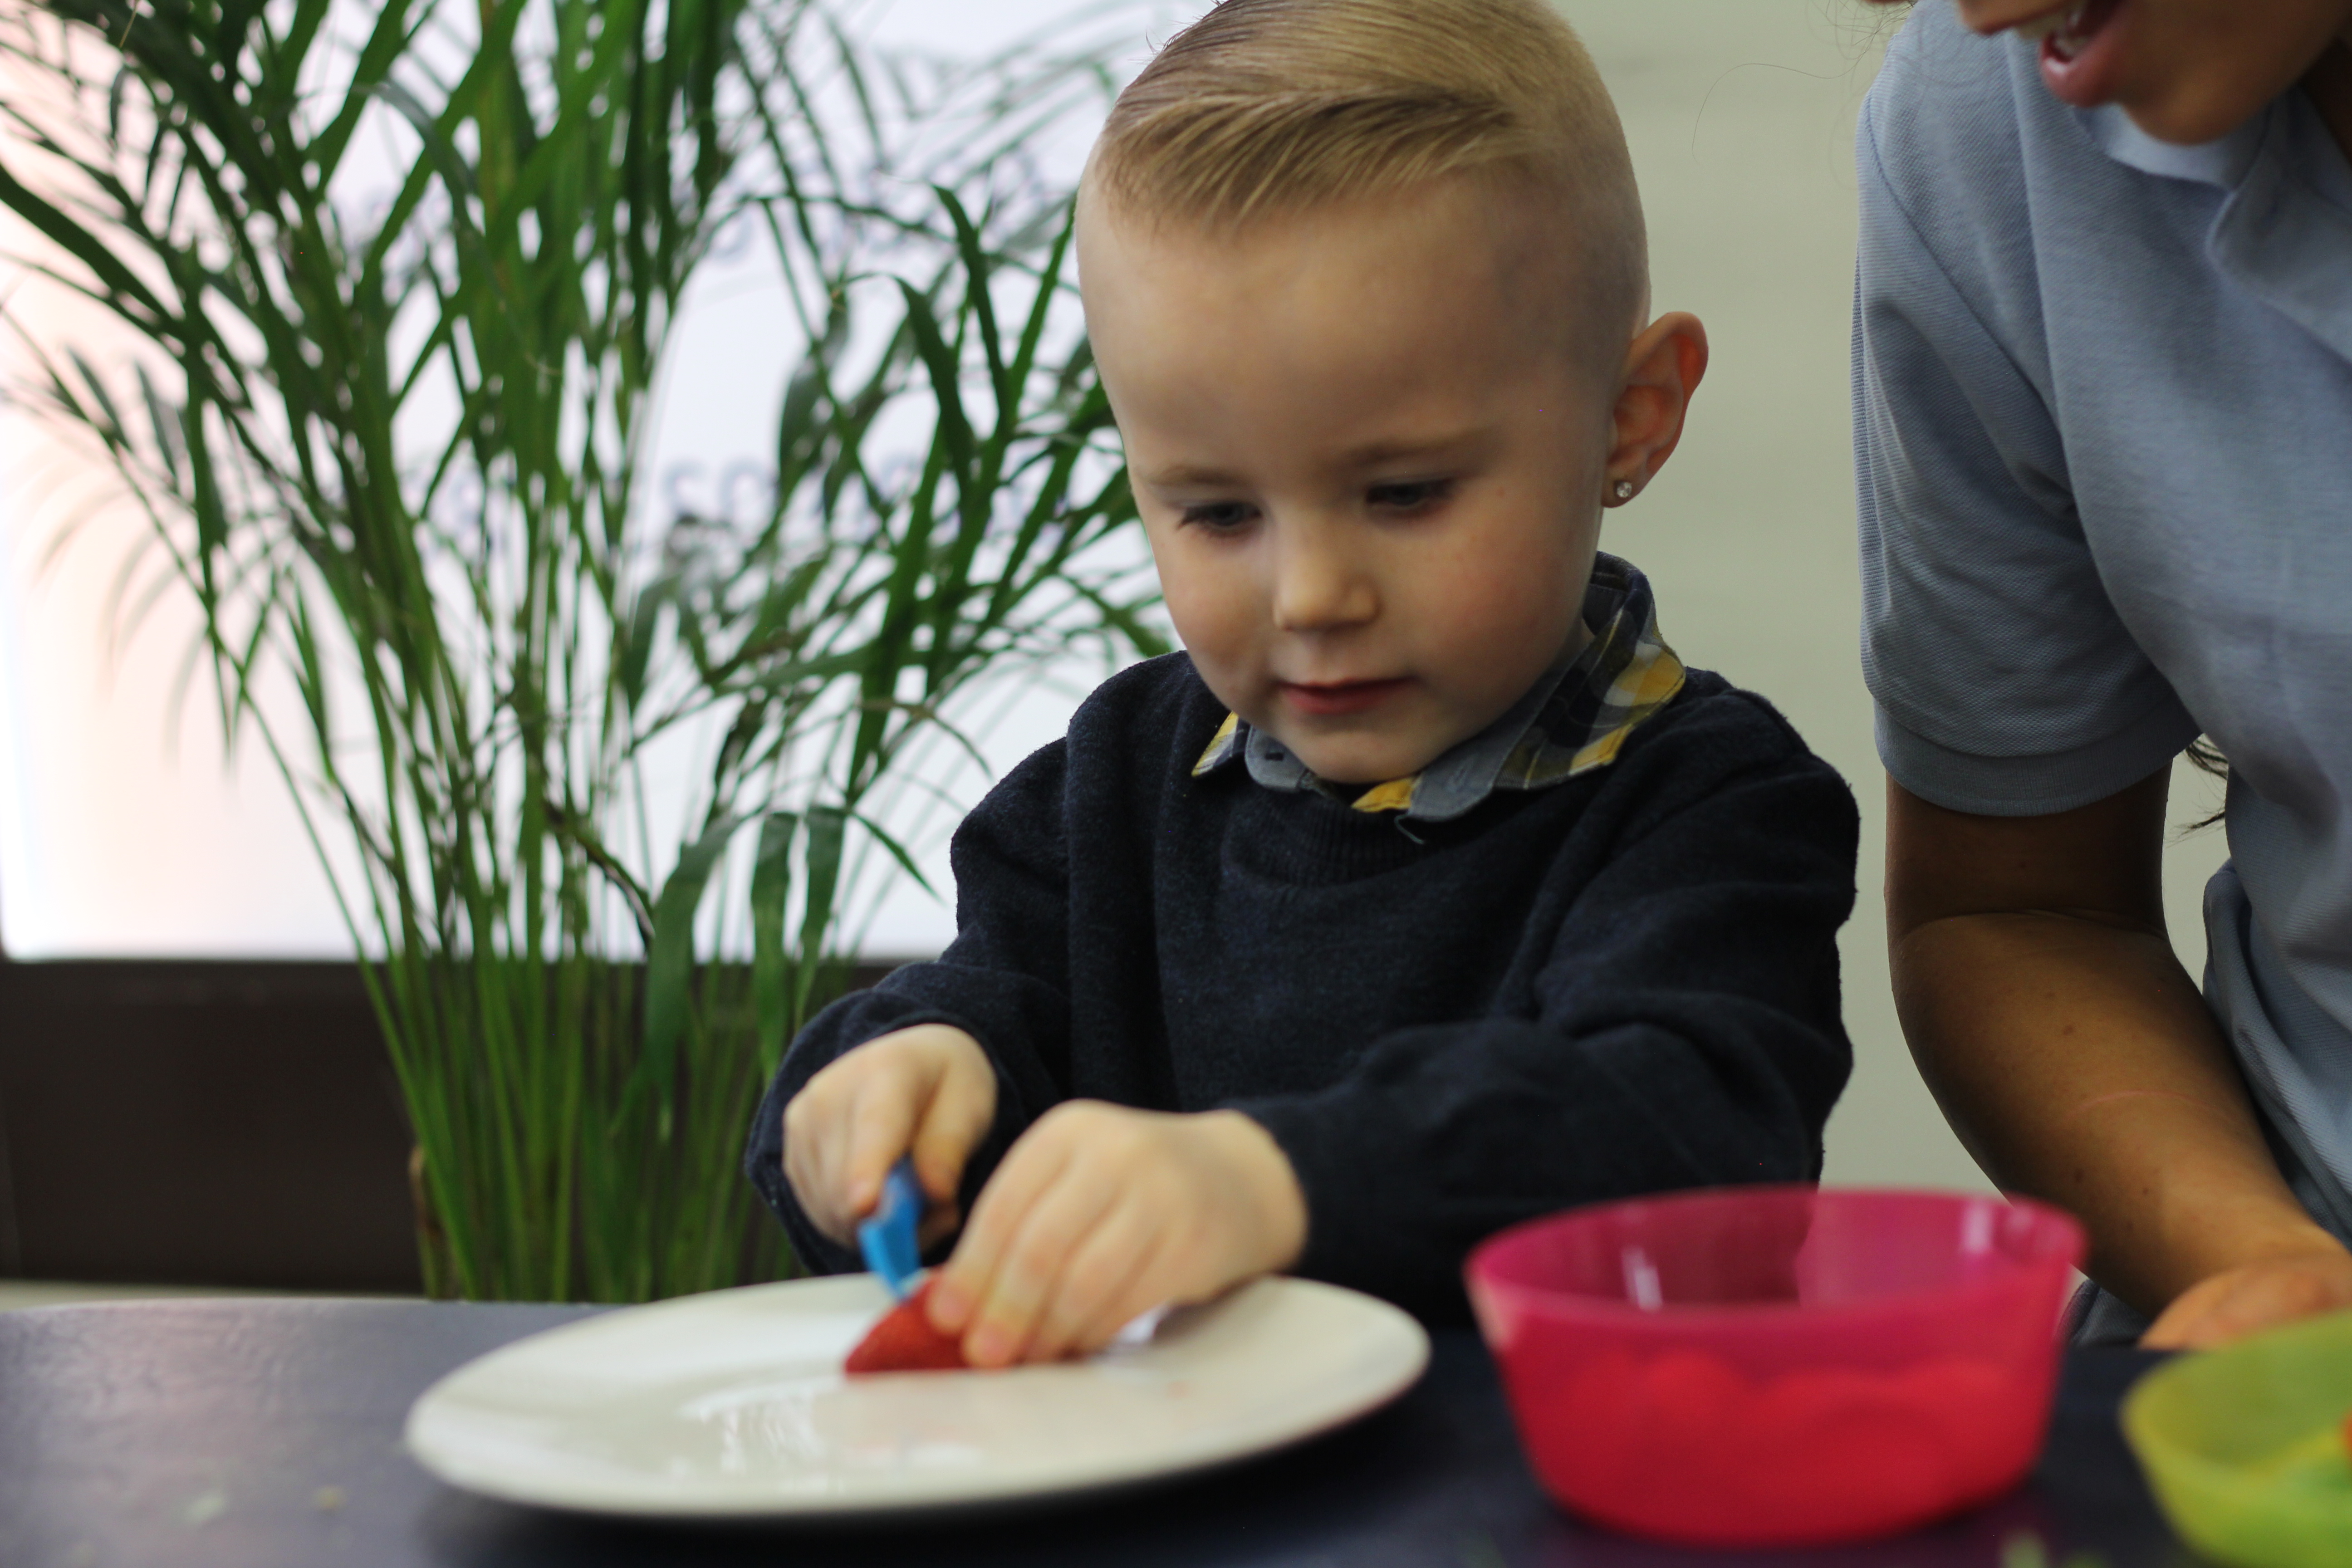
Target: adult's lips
x,y
2081,51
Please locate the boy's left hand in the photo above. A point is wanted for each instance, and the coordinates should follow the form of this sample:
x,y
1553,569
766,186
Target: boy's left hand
x,y
1099,1213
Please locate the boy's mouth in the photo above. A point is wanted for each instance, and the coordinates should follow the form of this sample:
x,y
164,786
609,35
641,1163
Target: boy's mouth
x,y
1329,698
2079,50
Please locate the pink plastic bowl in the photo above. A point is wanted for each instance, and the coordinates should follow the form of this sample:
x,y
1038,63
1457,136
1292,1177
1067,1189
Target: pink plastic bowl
x,y
1780,1365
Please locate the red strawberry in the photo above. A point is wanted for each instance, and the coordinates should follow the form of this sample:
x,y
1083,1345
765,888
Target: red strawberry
x,y
904,1340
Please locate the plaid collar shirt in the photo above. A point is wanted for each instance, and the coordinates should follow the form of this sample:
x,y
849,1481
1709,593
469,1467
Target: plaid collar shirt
x,y
1574,718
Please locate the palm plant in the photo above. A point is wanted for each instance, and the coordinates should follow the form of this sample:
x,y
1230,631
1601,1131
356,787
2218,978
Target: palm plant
x,y
399,461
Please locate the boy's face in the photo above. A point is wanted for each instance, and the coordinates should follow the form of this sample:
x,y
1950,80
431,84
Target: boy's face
x,y
1370,467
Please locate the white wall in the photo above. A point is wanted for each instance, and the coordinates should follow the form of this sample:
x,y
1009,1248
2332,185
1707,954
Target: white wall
x,y
121,831
1740,114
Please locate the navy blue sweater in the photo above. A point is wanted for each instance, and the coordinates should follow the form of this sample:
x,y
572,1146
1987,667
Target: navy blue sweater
x,y
1621,983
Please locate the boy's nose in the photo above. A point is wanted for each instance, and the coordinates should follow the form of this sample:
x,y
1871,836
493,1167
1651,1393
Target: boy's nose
x,y
1320,585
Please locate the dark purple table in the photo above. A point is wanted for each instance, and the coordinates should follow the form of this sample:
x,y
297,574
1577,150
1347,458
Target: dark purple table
x,y
255,1434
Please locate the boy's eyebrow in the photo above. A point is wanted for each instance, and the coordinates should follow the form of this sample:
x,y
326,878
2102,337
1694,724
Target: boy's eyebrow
x,y
1372,454
1178,474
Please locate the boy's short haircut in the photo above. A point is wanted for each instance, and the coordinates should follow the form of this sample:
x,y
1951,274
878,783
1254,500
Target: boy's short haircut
x,y
1264,107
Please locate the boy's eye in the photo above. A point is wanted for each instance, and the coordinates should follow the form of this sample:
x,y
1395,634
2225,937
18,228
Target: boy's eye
x,y
1409,495
1221,516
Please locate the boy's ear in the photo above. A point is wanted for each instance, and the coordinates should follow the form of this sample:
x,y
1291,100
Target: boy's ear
x,y
1664,366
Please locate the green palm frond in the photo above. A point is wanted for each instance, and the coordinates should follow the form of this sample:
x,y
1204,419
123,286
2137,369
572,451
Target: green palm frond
x,y
397,451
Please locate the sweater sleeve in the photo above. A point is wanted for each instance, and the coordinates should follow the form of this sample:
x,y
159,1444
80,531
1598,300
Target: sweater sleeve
x,y
1687,1034
1003,981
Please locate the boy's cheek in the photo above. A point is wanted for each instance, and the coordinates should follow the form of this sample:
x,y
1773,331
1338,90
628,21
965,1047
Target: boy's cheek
x,y
1213,600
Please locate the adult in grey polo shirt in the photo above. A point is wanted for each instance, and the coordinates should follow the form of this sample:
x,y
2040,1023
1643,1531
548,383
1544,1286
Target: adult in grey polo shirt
x,y
2103,402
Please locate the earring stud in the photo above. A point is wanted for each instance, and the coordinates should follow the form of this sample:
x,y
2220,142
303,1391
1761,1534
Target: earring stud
x,y
1625,490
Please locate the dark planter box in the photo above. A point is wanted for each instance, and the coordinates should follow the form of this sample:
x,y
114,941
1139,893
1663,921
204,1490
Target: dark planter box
x,y
203,1124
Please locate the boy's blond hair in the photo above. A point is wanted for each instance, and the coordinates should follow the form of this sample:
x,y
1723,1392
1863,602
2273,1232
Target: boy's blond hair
x,y
1264,107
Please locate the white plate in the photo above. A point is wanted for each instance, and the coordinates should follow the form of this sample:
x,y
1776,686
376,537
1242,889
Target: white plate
x,y
732,1405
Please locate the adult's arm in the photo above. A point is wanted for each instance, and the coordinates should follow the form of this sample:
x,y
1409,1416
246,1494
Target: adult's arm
x,y
2030,733
2078,1063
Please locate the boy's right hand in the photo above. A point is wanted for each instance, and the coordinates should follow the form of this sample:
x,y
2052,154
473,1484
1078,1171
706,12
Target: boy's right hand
x,y
928,1090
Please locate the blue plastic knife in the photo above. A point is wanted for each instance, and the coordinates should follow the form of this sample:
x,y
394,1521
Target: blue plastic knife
x,y
888,1239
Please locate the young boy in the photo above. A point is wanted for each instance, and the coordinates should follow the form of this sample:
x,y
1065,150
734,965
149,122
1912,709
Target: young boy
x,y
1426,891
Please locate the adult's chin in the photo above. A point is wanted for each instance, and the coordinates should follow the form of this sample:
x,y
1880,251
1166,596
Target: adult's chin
x,y
2189,116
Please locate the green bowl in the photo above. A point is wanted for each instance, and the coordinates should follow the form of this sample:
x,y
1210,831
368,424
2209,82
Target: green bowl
x,y
2244,1446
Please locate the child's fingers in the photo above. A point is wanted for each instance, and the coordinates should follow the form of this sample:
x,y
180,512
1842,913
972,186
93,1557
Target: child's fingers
x,y
1099,1213
881,1124
853,1119
1032,1267
969,1277
963,1280
1034,1165
958,1116
1091,1301
809,1155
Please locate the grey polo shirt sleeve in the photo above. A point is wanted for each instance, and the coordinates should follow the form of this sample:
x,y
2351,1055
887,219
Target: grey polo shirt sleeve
x,y
2005,682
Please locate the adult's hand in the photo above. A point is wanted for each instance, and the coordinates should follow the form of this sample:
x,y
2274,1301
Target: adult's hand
x,y
2078,1063
2252,1297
